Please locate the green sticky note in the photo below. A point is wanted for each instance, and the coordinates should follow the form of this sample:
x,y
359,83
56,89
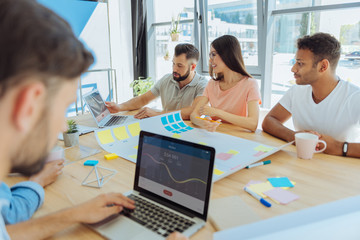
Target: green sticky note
x,y
176,135
233,152
120,133
134,129
105,137
262,148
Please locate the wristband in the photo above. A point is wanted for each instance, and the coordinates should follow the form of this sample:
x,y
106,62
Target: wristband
x,y
345,148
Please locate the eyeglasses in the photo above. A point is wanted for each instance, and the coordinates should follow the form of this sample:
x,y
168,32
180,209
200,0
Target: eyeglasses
x,y
212,55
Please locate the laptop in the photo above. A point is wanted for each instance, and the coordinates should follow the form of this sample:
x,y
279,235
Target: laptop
x,y
99,111
172,187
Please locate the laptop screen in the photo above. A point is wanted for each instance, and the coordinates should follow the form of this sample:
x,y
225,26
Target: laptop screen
x,y
175,170
96,105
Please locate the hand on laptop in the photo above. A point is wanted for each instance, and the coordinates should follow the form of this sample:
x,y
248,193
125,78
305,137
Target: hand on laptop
x,y
177,236
102,207
146,112
113,107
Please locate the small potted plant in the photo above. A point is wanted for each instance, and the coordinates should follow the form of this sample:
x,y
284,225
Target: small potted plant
x,y
167,56
141,85
71,136
174,29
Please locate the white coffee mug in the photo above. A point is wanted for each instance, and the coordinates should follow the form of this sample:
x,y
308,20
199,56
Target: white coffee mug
x,y
306,145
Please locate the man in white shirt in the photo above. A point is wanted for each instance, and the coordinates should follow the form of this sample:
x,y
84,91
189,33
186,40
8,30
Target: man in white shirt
x,y
41,61
320,102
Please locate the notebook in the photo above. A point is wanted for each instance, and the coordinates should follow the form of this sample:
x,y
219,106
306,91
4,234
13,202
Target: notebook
x,y
172,188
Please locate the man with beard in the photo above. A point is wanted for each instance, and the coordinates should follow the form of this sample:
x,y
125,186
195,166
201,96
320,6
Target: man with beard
x,y
41,61
320,102
178,91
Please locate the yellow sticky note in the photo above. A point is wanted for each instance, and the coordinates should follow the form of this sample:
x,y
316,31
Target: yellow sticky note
x,y
233,152
262,148
120,133
202,143
110,156
105,136
217,171
136,147
134,129
176,135
133,156
259,188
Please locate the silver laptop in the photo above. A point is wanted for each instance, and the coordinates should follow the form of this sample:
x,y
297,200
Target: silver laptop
x,y
171,190
99,111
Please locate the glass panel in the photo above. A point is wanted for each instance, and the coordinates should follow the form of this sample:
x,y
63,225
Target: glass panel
x,y
237,18
342,24
165,10
285,4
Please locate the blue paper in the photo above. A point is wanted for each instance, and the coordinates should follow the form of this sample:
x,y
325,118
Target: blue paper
x,y
181,124
169,128
189,128
171,118
177,117
280,182
91,162
175,126
164,120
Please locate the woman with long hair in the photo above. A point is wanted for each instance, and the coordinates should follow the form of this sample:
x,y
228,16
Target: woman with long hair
x,y
233,94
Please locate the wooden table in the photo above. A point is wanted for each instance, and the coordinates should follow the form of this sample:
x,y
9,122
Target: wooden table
x,y
323,179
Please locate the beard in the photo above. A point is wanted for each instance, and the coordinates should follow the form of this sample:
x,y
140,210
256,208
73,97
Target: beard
x,y
30,158
181,78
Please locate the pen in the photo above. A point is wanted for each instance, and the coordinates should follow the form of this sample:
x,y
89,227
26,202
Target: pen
x,y
210,120
259,164
258,197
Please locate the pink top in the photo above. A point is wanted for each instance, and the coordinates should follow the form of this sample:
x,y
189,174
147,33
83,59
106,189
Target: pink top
x,y
235,99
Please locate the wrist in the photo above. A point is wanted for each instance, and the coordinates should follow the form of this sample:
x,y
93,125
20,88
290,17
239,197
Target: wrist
x,y
344,148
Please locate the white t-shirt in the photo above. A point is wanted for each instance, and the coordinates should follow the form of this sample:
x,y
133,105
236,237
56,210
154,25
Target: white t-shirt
x,y
338,115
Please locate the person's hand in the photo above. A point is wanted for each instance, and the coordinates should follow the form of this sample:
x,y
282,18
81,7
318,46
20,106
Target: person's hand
x,y
101,207
334,147
177,236
145,113
210,125
208,111
49,173
113,107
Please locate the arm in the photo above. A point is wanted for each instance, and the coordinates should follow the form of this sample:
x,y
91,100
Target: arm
x,y
132,104
250,122
194,116
335,147
92,211
273,123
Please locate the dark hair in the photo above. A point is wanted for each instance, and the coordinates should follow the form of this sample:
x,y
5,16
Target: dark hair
x,y
323,46
36,41
228,48
190,50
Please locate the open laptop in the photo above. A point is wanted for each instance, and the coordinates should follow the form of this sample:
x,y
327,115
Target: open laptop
x,y
171,189
99,111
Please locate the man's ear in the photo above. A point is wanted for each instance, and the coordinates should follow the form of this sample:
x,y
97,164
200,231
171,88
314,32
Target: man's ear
x,y
324,65
193,66
29,103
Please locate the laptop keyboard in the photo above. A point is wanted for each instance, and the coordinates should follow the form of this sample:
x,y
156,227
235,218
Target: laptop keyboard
x,y
114,120
156,218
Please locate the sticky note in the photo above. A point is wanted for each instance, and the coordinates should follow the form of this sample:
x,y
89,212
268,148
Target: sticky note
x,y
120,133
91,162
189,128
183,130
176,135
177,117
280,182
263,148
171,118
181,124
233,152
110,156
169,128
164,120
218,172
202,143
176,132
133,156
258,154
282,196
289,187
260,188
224,156
136,147
134,129
175,126
105,136
251,182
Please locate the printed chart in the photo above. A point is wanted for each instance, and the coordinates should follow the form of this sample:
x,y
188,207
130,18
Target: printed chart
x,y
232,153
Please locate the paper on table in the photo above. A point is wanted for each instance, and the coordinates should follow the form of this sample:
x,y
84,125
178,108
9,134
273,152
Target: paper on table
x,y
134,129
260,188
262,148
281,195
120,133
280,182
224,156
105,136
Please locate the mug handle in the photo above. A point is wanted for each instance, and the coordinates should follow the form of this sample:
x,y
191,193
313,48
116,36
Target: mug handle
x,y
323,149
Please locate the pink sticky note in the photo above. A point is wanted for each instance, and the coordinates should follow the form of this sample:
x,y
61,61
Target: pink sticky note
x,y
258,154
251,182
281,195
224,156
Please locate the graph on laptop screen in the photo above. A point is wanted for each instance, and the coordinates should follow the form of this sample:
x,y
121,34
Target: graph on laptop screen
x,y
175,171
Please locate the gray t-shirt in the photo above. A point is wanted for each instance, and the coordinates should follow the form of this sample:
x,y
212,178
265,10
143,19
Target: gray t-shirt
x,y
174,98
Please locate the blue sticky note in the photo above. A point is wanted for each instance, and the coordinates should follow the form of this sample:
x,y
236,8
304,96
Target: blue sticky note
x,y
280,182
183,130
171,118
91,162
177,117
175,126
189,128
164,120
169,128
181,124
176,132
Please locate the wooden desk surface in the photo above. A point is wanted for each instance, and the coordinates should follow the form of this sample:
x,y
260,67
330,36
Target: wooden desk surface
x,y
323,179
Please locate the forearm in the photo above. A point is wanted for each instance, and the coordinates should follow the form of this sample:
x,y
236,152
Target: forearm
x,y
274,127
194,118
353,150
132,104
249,123
42,227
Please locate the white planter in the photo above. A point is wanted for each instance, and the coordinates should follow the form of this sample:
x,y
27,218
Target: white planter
x,y
71,139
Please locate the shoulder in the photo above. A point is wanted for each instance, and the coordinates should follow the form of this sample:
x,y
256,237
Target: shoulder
x,y
166,77
201,80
